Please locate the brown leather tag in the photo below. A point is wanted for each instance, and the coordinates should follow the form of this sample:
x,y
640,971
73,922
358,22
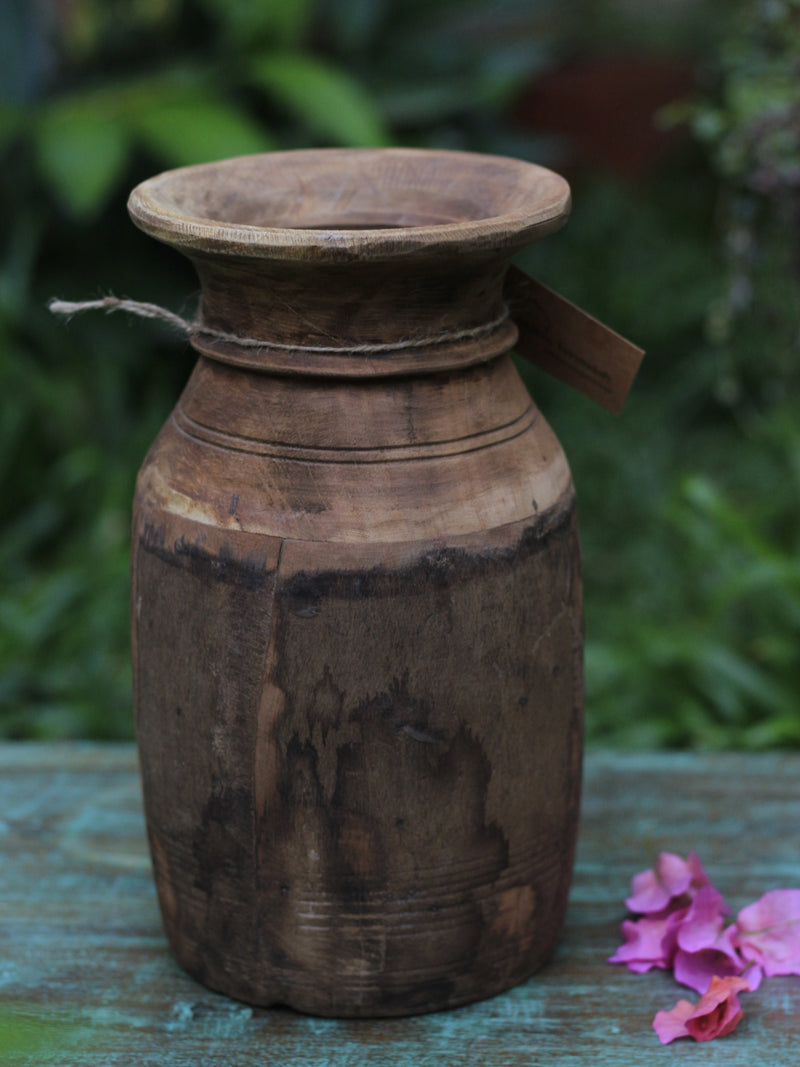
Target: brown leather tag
x,y
557,336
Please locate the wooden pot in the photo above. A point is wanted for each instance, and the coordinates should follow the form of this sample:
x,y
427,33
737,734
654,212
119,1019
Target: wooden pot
x,y
357,622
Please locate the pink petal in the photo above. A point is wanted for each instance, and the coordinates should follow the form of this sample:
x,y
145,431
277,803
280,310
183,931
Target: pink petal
x,y
717,1023
716,1014
726,942
639,966
768,932
642,948
722,989
672,883
753,976
653,890
673,923
697,969
703,921
698,873
670,1025
701,955
718,1011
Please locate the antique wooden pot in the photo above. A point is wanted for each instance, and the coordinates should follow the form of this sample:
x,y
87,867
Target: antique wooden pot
x,y
357,621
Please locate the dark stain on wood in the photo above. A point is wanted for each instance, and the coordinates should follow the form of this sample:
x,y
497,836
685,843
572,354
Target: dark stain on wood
x,y
373,841
220,566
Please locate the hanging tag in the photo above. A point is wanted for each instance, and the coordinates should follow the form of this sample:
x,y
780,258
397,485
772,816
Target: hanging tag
x,y
557,336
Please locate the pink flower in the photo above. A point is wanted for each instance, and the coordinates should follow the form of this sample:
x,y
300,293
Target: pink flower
x,y
690,940
682,928
716,1014
646,945
768,932
704,948
671,884
753,976
696,969
664,895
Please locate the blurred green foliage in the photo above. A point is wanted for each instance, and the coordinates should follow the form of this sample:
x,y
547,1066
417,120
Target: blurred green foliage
x,y
29,1035
690,501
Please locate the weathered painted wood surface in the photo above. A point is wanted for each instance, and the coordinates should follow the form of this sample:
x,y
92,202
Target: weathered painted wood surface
x,y
86,977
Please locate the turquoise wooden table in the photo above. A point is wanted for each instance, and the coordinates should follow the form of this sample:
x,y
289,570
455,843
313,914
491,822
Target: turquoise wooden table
x,y
85,976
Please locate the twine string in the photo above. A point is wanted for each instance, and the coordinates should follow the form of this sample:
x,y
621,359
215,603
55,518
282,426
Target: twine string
x,y
197,328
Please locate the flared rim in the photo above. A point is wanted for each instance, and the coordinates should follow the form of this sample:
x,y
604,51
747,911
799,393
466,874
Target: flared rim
x,y
328,205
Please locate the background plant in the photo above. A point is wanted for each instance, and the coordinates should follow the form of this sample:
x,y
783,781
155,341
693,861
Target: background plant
x,y
689,501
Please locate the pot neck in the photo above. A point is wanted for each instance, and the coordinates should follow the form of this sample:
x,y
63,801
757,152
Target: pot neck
x,y
353,262
412,314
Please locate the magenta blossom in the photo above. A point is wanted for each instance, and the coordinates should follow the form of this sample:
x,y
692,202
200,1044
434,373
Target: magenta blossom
x,y
683,929
768,932
692,942
682,925
648,944
704,947
671,884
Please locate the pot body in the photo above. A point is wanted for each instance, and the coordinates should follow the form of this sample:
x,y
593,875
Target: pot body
x,y
357,639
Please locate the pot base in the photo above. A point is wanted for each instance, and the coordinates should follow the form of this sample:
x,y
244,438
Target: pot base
x,y
393,831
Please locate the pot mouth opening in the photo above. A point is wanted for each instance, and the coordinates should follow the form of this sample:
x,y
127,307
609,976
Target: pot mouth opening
x,y
350,203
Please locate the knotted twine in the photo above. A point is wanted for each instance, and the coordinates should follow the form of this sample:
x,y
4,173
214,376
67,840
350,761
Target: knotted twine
x,y
196,327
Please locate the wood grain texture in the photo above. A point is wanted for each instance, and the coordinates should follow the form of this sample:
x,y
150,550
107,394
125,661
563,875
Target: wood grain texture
x,y
331,246
336,205
357,614
384,820
570,344
86,979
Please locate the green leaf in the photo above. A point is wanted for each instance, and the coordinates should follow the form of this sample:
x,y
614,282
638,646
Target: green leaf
x,y
328,101
283,21
11,121
198,129
18,263
82,151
